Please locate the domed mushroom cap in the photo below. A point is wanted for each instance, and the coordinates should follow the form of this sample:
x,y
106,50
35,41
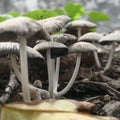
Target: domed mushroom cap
x,y
20,26
64,18
14,48
51,25
57,49
110,38
90,37
80,23
64,38
82,47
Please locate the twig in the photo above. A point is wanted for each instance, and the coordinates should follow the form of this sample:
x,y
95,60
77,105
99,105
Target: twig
x,y
104,86
10,87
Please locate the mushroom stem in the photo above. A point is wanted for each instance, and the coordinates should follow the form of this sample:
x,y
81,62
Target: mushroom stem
x,y
24,70
50,71
69,85
97,59
107,66
79,31
56,76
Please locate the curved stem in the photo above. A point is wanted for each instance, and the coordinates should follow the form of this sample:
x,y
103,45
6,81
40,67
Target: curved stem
x,y
107,66
97,59
24,70
15,66
69,85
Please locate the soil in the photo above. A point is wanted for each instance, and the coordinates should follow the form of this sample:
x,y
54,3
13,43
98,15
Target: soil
x,y
90,85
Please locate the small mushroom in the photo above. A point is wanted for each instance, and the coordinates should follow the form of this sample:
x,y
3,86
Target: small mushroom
x,y
64,38
110,39
78,47
92,37
51,50
79,24
19,29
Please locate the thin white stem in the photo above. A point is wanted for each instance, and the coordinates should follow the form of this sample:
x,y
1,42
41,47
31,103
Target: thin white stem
x,y
50,72
24,70
56,76
107,66
69,85
97,59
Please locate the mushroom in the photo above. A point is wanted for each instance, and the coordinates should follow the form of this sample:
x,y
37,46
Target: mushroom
x,y
19,29
113,39
54,24
51,50
12,49
92,37
66,39
78,48
79,24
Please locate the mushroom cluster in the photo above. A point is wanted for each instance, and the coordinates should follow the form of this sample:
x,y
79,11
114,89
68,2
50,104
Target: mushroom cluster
x,y
50,45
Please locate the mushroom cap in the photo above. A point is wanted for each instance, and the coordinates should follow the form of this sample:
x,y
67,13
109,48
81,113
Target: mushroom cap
x,y
57,49
51,25
20,26
110,38
14,48
90,37
64,18
64,38
82,47
80,24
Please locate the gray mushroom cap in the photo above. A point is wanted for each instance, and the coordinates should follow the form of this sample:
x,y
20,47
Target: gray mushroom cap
x,y
82,47
57,49
21,26
64,38
51,25
91,37
110,38
80,23
14,48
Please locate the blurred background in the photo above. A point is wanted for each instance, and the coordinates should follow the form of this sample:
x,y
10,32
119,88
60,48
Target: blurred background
x,y
110,7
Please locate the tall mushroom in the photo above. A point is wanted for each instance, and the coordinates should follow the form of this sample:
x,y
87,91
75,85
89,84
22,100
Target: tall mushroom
x,y
78,48
112,39
19,29
51,50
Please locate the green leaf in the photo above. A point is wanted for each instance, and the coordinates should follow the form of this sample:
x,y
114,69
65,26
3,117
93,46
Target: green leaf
x,y
2,18
14,13
59,11
40,14
97,16
74,10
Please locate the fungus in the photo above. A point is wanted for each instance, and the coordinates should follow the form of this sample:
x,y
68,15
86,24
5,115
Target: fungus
x,y
51,50
79,24
78,48
113,39
19,29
